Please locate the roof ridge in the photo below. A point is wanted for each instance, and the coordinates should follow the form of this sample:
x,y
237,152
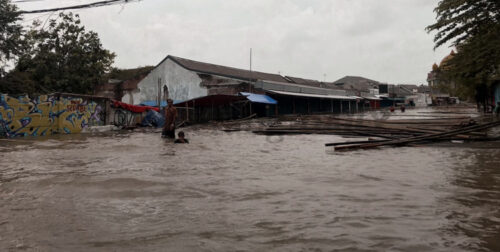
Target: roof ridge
x,y
235,68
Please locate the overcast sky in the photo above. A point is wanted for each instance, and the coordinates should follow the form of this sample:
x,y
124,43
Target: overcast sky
x,y
384,40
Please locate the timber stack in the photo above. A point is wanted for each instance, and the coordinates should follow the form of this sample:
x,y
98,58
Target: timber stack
x,y
405,132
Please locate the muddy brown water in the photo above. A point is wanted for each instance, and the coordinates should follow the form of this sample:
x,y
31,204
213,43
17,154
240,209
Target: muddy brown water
x,y
133,191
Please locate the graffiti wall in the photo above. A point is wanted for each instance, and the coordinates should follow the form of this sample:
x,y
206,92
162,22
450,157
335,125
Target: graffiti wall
x,y
47,115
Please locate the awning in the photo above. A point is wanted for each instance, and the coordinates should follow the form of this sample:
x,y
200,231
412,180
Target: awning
x,y
133,108
259,98
393,99
211,100
336,97
371,98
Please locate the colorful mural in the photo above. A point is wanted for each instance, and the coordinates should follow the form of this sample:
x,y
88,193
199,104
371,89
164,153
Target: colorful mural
x,y
46,115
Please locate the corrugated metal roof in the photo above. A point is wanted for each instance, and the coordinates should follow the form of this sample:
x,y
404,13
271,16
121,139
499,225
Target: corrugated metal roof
x,y
371,98
336,97
211,100
296,88
303,81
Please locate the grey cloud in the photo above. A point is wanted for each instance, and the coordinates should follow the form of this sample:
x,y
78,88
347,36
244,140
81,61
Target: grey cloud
x,y
383,40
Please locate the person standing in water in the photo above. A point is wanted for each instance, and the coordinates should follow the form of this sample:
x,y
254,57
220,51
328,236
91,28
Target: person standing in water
x,y
170,117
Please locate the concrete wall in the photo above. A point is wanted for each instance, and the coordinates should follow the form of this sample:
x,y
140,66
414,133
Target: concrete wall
x,y
47,115
182,84
129,96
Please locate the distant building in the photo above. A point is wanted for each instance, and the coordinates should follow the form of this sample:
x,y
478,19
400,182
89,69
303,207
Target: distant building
x,y
357,84
122,83
185,79
424,89
409,87
367,89
437,80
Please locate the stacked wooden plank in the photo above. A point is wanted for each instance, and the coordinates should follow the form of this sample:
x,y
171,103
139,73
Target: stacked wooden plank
x,y
385,132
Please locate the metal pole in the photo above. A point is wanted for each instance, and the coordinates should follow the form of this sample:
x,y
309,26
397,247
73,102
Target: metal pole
x,y
250,81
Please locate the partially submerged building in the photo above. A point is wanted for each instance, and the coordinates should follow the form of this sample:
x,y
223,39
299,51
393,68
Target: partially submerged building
x,y
201,86
204,91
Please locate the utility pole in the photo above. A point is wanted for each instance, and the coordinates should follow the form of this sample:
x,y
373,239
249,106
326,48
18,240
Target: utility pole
x,y
251,75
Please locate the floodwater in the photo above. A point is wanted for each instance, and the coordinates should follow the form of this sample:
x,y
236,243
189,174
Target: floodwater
x,y
133,191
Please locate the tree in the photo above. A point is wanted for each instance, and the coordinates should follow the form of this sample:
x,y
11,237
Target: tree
x,y
63,57
473,27
459,20
11,39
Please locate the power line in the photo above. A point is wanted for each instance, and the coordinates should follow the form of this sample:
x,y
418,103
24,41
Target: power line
x,y
81,6
24,1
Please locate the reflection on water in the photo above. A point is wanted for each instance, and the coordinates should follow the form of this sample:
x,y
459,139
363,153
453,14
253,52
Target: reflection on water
x,y
243,192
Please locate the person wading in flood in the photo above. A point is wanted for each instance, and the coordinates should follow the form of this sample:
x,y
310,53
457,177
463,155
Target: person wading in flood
x,y
181,138
170,116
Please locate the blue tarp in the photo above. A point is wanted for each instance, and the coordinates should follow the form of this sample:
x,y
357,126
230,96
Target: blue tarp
x,y
258,98
154,119
155,104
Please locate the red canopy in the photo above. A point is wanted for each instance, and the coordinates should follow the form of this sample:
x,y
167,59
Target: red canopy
x,y
134,108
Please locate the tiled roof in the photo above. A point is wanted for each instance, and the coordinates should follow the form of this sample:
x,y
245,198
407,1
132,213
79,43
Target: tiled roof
x,y
355,79
225,71
303,81
356,83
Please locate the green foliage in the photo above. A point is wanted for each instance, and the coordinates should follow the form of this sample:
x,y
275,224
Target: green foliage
x,y
459,20
11,34
127,74
473,27
62,57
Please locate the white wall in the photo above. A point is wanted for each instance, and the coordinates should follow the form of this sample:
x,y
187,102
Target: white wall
x,y
420,100
182,84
